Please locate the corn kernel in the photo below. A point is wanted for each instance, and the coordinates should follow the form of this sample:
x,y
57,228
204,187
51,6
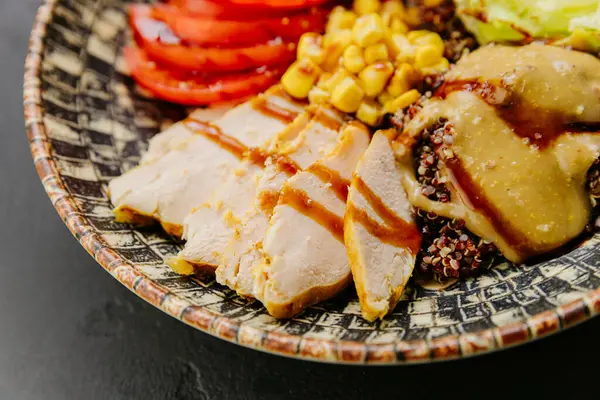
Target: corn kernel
x,y
398,26
432,3
300,78
376,52
402,101
402,80
374,77
413,35
427,55
353,59
425,38
347,96
384,98
322,82
309,46
393,8
413,16
386,19
438,68
369,112
368,30
336,78
340,19
364,7
400,48
318,96
335,44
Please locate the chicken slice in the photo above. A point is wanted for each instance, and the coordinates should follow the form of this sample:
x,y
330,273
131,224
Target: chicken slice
x,y
243,251
210,227
170,187
305,260
380,233
177,135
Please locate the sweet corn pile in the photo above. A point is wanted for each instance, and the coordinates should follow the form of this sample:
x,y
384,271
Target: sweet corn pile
x,y
368,62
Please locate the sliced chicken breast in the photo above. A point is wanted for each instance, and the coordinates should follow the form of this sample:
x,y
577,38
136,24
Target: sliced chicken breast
x,y
244,250
210,227
305,260
177,135
382,239
291,153
170,187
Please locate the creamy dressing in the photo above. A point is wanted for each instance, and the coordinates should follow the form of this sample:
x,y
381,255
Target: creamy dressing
x,y
525,192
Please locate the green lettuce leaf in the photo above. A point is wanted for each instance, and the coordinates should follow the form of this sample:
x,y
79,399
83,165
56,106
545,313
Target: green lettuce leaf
x,y
573,23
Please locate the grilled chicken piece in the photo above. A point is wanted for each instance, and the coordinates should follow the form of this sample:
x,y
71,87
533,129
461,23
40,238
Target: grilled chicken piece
x,y
177,135
211,226
244,250
305,260
382,239
169,188
297,152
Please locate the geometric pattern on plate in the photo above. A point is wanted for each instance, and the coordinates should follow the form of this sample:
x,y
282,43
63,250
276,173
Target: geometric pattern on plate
x,y
87,123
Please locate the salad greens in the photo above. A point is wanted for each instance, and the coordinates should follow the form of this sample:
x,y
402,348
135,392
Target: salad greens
x,y
573,23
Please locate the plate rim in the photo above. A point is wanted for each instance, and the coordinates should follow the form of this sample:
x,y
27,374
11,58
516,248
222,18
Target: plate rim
x,y
333,351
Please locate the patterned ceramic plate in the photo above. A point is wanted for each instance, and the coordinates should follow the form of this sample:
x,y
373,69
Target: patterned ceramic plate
x,y
87,124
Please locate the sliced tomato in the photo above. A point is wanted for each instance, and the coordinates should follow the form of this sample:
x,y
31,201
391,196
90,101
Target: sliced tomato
x,y
251,9
279,4
222,10
162,45
195,90
201,30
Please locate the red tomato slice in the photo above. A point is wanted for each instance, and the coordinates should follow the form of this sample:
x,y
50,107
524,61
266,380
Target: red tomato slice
x,y
222,10
162,45
280,4
202,30
196,90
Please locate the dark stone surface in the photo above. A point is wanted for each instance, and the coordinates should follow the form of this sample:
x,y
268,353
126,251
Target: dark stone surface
x,y
70,331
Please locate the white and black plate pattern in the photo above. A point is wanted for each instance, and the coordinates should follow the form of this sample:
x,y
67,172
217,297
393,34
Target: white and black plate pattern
x,y
87,123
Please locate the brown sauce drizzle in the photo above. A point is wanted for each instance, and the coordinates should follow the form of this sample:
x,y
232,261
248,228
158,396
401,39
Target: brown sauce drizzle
x,y
235,147
473,198
327,120
539,126
396,231
338,184
257,156
299,201
285,164
268,108
215,134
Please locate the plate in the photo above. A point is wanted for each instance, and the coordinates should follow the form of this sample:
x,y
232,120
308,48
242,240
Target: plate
x,y
87,123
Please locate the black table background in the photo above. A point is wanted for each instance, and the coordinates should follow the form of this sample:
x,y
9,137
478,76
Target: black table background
x,y
68,330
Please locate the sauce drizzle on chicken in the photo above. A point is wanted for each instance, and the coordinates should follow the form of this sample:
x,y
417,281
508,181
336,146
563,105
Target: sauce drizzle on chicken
x,y
395,231
301,202
263,105
215,134
338,184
